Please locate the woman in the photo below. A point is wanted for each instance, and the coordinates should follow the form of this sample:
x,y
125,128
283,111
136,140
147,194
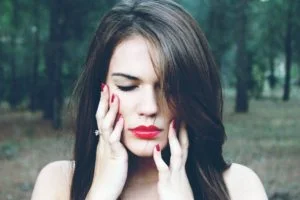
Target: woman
x,y
159,131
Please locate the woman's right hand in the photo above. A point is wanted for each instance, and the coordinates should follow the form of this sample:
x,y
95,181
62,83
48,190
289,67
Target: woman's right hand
x,y
111,164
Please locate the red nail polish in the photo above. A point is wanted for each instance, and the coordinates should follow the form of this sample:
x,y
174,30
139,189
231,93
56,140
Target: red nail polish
x,y
157,147
119,116
112,98
102,86
173,123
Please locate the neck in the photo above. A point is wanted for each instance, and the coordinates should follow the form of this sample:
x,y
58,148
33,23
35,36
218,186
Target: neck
x,y
142,170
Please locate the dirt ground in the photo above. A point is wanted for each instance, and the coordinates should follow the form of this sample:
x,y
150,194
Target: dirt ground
x,y
266,139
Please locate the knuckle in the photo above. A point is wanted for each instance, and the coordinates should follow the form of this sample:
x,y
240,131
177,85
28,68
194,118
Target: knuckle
x,y
111,111
114,107
105,126
178,154
187,145
175,161
98,115
111,140
164,170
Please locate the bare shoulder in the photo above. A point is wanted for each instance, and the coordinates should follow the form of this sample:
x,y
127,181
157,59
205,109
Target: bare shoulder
x,y
54,181
243,183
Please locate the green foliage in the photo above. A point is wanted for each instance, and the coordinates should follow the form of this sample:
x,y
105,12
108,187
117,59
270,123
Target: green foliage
x,y
265,38
6,10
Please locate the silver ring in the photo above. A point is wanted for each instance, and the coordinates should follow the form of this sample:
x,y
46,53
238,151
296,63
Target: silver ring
x,y
97,132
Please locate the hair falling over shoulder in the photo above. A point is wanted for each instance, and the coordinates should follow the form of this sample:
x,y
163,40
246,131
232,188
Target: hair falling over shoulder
x,y
190,82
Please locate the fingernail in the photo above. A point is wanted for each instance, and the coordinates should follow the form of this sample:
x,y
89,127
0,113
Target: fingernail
x,y
173,123
112,98
157,147
102,86
119,116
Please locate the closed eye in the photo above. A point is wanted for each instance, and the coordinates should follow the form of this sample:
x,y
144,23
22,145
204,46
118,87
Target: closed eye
x,y
126,88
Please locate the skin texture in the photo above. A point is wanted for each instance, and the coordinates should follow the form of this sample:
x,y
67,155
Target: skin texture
x,y
152,177
137,106
140,105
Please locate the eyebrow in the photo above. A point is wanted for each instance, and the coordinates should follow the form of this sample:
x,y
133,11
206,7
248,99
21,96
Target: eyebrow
x,y
126,76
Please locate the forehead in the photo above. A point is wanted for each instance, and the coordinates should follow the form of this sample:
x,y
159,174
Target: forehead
x,y
134,56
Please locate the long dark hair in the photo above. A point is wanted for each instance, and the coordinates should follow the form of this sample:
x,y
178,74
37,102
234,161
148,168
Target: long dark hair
x,y
189,79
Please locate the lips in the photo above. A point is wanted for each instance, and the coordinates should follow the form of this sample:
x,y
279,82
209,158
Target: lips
x,y
146,132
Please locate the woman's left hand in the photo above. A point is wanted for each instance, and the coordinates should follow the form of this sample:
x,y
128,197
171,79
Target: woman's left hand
x,y
173,182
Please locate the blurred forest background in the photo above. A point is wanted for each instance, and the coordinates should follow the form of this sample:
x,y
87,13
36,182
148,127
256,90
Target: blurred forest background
x,y
256,44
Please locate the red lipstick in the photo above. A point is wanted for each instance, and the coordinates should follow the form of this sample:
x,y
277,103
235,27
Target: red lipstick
x,y
145,132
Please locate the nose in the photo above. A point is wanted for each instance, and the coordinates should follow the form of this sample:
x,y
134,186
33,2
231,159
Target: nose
x,y
148,105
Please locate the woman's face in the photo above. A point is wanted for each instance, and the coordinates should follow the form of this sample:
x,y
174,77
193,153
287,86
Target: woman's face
x,y
132,78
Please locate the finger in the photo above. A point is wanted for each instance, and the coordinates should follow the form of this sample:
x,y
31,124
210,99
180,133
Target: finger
x,y
117,132
110,118
102,149
162,167
175,148
103,103
184,141
101,146
102,106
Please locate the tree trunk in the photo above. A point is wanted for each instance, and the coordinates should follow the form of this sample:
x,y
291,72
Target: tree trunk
x,y
13,85
288,53
216,32
242,68
272,78
1,73
36,59
54,62
49,57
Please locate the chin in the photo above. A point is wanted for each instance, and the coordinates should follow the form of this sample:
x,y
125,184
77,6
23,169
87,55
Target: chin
x,y
143,148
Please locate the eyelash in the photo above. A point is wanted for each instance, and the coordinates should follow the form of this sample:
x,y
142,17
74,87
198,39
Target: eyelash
x,y
126,88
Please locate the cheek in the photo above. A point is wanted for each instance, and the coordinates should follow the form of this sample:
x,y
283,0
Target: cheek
x,y
126,103
124,97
